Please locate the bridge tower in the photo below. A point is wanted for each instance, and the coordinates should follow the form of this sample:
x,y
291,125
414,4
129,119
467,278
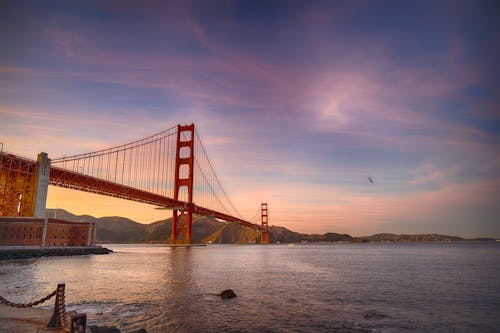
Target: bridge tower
x,y
264,236
23,185
183,187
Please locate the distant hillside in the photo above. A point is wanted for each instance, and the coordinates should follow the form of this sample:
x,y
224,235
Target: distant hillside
x,y
408,238
117,229
113,229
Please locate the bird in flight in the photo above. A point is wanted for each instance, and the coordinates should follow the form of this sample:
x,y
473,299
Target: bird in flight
x,y
371,180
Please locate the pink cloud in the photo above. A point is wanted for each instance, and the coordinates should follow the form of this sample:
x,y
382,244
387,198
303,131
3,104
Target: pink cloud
x,y
358,96
426,173
346,99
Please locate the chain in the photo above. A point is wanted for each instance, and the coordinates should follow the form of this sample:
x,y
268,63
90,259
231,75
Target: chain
x,y
28,305
59,319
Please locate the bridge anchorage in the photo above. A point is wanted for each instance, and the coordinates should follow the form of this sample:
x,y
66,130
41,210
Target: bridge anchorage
x,y
169,169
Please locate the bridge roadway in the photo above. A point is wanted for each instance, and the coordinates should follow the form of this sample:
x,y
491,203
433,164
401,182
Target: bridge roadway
x,y
81,182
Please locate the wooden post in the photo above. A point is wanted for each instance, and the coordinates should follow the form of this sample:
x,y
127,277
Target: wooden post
x,y
59,319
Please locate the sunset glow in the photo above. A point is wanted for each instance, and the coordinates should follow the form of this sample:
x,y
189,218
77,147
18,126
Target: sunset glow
x,y
297,103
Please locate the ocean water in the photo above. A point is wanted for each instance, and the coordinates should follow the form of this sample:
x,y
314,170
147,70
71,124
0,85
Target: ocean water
x,y
419,287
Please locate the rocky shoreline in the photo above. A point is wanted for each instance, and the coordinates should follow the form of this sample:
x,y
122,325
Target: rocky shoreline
x,y
12,253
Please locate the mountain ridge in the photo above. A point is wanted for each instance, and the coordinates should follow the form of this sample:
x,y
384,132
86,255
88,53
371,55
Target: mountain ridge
x,y
117,229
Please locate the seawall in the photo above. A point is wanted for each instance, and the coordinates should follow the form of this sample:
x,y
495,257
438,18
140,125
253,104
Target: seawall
x,y
18,252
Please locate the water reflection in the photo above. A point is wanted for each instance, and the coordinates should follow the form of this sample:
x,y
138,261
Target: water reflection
x,y
342,288
177,291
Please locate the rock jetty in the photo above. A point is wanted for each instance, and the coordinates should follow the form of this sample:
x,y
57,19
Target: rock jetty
x,y
10,253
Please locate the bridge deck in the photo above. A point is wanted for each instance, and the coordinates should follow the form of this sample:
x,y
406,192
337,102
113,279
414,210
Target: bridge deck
x,y
78,181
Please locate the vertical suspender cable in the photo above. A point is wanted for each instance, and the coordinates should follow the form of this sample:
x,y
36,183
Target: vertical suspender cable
x,y
135,166
116,165
148,163
140,168
158,166
162,186
123,165
128,174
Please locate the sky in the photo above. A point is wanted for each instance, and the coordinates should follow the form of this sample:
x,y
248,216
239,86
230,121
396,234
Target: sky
x,y
297,103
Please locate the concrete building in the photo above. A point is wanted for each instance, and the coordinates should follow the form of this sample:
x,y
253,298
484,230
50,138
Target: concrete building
x,y
32,231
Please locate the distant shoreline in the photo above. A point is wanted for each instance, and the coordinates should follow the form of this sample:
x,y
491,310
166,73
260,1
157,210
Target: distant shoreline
x,y
120,230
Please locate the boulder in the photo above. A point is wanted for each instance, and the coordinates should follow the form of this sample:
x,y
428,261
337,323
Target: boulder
x,y
228,293
374,315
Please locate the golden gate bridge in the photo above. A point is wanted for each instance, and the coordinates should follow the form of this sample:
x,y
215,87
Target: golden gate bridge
x,y
170,170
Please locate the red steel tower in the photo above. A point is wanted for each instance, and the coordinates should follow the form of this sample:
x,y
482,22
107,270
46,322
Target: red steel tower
x,y
264,236
183,187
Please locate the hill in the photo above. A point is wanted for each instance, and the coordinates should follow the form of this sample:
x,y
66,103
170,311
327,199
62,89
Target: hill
x,y
116,229
386,237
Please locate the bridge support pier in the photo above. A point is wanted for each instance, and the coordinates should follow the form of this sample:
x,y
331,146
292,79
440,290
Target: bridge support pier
x,y
42,187
183,188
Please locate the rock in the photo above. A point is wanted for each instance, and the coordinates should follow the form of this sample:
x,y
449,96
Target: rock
x,y
104,329
374,315
228,293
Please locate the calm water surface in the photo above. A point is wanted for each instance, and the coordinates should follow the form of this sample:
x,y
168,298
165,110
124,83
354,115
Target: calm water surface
x,y
305,288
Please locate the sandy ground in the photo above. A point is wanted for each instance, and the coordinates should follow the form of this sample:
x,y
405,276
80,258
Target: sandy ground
x,y
30,320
